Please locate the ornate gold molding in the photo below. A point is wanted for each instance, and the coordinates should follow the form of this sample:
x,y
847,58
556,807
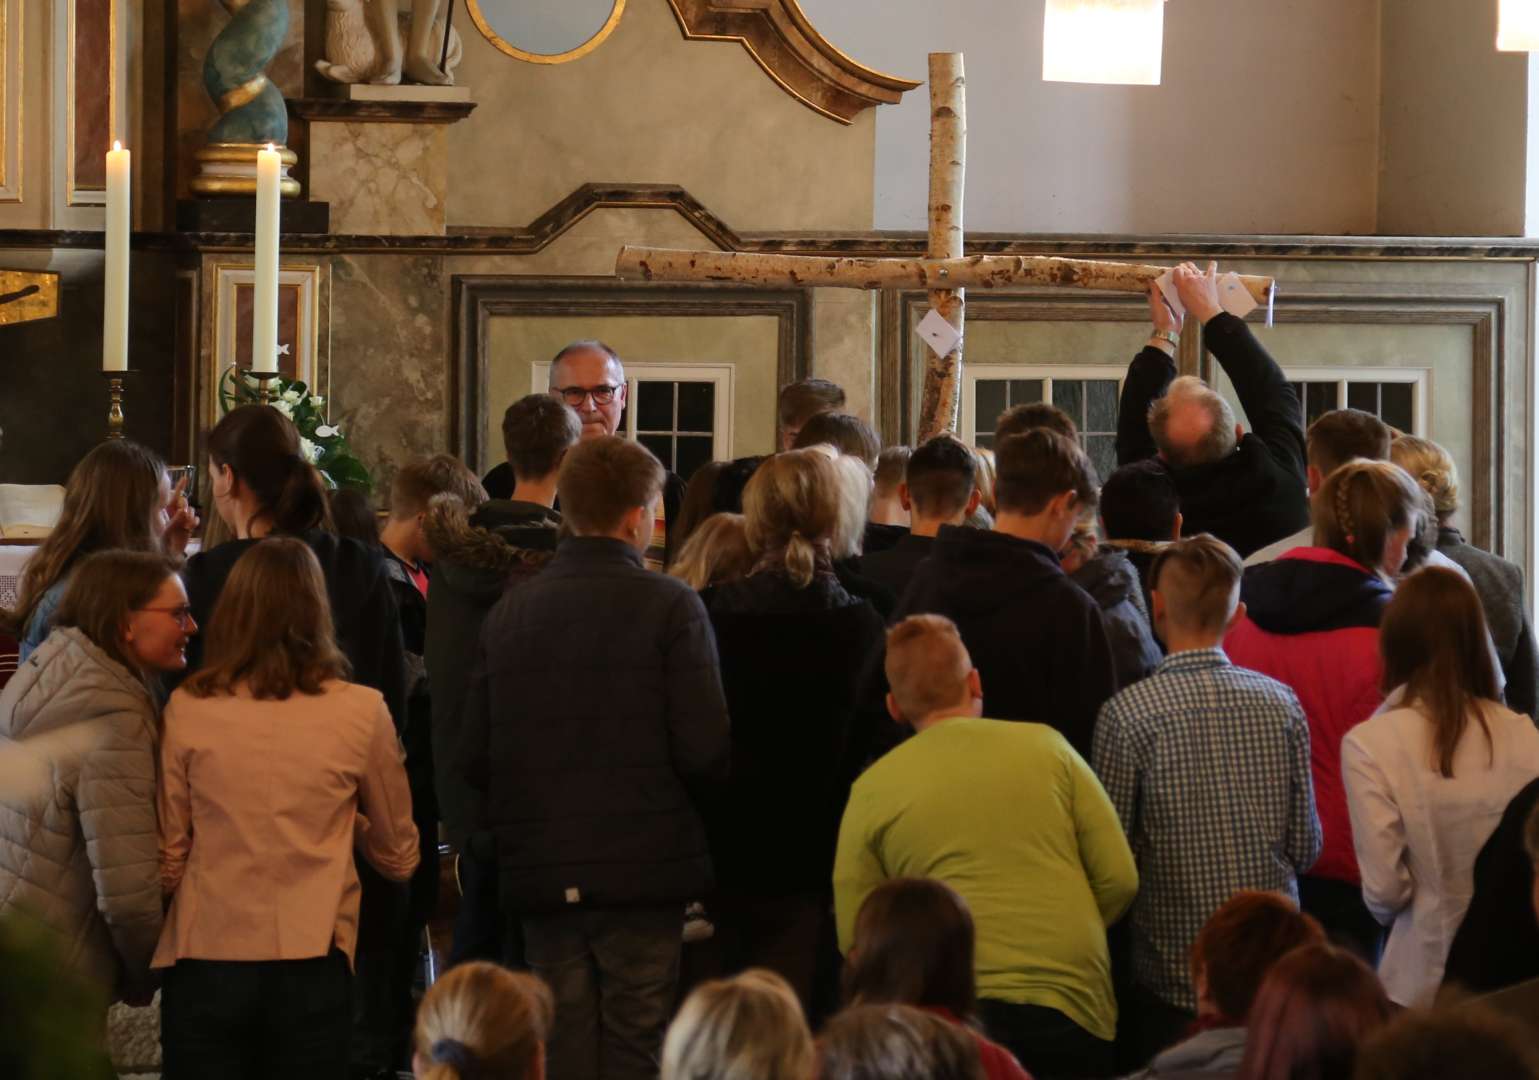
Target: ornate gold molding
x,y
783,41
507,47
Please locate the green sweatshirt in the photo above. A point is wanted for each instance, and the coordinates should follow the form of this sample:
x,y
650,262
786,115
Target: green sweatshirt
x,y
1012,818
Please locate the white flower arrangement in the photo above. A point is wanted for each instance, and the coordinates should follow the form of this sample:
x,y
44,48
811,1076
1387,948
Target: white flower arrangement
x,y
321,442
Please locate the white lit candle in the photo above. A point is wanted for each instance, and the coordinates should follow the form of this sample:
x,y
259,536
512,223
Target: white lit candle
x,y
264,301
115,302
1103,41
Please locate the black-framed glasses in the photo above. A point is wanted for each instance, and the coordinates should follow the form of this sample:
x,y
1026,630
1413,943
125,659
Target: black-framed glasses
x,y
601,394
181,613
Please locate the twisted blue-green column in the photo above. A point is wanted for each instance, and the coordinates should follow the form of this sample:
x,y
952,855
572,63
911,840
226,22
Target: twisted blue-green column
x,y
235,73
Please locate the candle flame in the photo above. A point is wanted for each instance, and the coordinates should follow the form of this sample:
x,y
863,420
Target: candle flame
x,y
117,144
271,148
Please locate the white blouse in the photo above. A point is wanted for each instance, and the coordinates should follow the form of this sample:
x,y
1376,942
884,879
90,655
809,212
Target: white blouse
x,y
1417,832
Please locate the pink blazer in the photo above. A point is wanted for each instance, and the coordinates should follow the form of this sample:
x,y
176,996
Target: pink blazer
x,y
260,803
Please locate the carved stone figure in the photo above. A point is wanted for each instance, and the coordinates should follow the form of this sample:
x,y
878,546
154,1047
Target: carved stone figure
x,y
376,41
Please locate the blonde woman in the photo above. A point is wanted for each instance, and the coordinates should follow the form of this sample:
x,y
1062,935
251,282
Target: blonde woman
x,y
1312,622
793,642
716,552
484,1022
1498,582
749,1027
273,768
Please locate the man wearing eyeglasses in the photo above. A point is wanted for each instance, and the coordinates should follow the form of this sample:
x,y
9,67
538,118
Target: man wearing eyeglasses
x,y
589,377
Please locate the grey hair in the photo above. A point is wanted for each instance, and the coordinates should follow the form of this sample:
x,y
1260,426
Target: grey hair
x,y
1219,440
585,345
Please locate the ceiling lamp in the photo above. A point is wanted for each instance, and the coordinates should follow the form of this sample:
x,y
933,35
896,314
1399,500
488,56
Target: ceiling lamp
x,y
1108,41
1517,26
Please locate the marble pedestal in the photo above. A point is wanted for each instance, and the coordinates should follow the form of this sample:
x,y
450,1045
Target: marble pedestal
x,y
383,165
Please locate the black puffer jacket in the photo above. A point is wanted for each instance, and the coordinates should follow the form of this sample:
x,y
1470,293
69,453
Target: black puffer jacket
x,y
791,661
595,725
1036,638
475,559
1113,584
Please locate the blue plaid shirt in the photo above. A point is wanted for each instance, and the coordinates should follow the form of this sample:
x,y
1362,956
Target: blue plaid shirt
x,y
1208,766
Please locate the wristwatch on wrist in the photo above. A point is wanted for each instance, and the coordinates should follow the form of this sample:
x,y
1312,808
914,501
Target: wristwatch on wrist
x,y
1167,335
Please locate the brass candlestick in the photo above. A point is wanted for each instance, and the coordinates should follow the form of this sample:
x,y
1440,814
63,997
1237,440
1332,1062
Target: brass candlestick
x,y
264,383
115,382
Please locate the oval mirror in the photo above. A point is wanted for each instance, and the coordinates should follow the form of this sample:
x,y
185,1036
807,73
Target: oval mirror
x,y
546,31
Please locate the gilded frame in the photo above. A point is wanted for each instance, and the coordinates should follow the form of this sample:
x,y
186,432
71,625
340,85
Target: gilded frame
x,y
506,47
12,18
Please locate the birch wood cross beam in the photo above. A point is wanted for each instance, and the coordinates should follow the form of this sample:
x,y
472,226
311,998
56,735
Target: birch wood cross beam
x,y
970,272
945,272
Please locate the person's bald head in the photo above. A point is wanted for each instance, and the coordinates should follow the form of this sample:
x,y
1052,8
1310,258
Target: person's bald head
x,y
929,671
1191,424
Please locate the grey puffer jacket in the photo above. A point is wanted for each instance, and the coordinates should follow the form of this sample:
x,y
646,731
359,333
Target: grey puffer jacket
x,y
78,841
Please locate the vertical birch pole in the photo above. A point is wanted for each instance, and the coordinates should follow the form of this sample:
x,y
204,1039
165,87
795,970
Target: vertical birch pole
x,y
948,166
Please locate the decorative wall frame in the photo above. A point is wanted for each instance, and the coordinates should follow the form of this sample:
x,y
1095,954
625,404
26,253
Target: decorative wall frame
x,y
508,48
478,299
11,19
299,320
90,36
803,63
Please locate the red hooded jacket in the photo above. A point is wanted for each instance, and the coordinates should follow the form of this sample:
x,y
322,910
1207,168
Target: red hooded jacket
x,y
1312,621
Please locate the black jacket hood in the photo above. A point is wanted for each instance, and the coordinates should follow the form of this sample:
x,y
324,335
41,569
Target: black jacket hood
x,y
1313,589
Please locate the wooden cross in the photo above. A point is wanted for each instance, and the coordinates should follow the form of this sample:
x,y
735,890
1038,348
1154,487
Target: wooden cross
x,y
26,295
945,271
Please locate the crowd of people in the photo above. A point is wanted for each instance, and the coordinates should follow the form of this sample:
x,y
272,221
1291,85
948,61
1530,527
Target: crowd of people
x,y
842,762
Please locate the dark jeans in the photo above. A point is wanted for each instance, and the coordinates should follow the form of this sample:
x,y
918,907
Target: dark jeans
x,y
254,1020
379,1024
1047,1043
478,923
613,974
1347,921
1147,1025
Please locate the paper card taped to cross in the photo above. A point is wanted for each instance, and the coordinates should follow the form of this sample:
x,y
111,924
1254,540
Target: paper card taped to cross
x,y
939,334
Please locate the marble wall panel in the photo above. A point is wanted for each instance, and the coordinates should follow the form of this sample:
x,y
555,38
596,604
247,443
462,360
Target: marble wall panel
x,y
381,179
389,352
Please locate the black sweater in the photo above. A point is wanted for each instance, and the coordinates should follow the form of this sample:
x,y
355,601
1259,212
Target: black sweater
x,y
1256,495
363,608
1036,638
791,661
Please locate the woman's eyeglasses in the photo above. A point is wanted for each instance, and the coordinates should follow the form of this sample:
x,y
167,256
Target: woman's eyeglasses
x,y
181,613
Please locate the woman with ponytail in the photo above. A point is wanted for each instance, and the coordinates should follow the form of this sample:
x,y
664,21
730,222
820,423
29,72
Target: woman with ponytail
x,y
483,1022
263,486
1311,621
1430,776
793,644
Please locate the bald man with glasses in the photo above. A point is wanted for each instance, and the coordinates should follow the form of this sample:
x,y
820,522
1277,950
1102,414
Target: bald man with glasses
x,y
589,376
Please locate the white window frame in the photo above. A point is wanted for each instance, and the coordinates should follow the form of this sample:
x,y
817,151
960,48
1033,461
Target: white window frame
x,y
720,375
973,373
1419,378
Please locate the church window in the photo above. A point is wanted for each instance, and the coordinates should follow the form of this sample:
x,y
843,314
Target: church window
x,y
1398,396
1088,394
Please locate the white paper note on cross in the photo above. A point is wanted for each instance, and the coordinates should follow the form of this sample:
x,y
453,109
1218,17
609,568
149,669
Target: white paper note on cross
x,y
945,271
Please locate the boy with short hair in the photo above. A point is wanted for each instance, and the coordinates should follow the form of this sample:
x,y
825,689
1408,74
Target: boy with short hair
x,y
480,552
1161,749
801,401
594,728
1037,638
937,489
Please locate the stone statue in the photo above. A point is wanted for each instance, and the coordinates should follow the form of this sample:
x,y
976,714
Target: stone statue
x,y
364,43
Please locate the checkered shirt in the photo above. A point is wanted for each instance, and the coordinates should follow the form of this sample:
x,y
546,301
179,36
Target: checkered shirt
x,y
1208,766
